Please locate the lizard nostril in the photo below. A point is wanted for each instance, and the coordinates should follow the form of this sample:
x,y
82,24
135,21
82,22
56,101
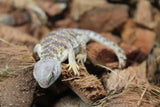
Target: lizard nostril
x,y
50,79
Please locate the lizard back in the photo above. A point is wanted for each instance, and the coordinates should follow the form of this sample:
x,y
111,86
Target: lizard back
x,y
56,42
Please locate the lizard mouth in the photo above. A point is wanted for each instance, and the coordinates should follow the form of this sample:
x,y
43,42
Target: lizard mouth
x,y
43,85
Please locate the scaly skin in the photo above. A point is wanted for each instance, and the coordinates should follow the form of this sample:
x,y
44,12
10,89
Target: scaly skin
x,y
69,44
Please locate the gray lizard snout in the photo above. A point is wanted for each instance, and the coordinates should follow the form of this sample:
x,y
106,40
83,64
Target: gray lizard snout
x,y
46,72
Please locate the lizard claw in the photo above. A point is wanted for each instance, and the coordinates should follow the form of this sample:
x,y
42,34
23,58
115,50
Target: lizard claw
x,y
74,67
81,58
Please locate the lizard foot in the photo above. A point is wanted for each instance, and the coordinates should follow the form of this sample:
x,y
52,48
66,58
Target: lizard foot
x,y
81,58
74,67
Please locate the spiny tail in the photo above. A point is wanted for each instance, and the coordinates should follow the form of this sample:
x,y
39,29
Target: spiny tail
x,y
118,51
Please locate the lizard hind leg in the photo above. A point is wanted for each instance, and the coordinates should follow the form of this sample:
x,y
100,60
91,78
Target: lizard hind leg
x,y
72,63
82,56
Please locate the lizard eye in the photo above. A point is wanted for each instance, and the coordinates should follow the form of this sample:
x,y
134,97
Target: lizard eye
x,y
52,76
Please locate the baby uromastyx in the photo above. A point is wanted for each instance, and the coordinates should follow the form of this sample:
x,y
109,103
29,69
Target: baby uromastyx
x,y
67,43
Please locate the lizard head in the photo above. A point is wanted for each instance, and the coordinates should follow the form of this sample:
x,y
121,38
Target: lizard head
x,y
46,72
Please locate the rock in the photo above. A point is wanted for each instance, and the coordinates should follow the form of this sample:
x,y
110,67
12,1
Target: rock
x,y
79,7
16,80
104,19
14,36
143,15
50,7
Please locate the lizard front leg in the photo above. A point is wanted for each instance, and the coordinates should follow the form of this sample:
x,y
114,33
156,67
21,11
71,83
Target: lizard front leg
x,y
72,63
82,56
37,49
